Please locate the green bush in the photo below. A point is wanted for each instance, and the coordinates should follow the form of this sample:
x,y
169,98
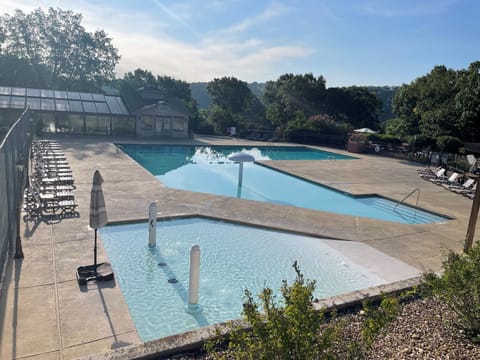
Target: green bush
x,y
449,144
459,287
293,329
290,331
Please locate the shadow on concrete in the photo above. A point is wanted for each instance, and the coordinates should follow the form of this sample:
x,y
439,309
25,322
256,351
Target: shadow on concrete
x,y
32,222
99,286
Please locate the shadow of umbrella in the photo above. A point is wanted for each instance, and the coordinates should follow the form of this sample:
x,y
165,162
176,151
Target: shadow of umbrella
x,y
98,218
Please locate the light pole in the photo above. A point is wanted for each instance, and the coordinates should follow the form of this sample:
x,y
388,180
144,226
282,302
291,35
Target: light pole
x,y
18,241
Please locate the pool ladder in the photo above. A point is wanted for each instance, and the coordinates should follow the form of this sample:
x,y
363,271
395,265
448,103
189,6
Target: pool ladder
x,y
416,190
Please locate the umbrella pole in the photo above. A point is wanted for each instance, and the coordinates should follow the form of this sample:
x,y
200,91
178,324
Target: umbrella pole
x,y
95,252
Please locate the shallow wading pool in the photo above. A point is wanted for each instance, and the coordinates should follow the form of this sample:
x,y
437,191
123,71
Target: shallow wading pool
x,y
233,258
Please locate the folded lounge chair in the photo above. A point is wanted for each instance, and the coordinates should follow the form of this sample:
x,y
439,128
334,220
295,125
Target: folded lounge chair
x,y
444,180
437,175
459,188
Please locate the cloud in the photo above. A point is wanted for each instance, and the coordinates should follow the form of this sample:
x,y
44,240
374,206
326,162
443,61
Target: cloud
x,y
145,40
274,10
248,60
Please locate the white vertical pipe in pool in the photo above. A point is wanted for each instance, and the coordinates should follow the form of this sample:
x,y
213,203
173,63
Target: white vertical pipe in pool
x,y
194,280
152,224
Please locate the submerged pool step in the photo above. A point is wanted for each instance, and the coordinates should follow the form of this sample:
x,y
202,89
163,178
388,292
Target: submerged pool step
x,y
410,214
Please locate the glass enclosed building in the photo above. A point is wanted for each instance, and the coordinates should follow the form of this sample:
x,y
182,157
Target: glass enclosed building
x,y
72,112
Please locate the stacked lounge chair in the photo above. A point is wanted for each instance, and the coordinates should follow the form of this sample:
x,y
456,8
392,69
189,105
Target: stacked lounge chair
x,y
51,183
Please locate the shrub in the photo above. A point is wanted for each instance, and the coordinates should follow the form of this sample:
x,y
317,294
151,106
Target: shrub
x,y
293,329
449,144
459,287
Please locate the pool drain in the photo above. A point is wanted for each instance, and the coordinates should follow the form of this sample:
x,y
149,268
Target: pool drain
x,y
172,281
162,264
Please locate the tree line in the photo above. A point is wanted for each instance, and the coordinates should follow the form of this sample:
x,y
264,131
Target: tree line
x,y
51,49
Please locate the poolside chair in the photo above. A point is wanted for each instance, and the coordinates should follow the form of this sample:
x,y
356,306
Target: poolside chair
x,y
459,188
436,175
427,171
470,193
444,180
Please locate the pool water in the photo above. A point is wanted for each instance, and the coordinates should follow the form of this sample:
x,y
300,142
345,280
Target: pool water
x,y
233,258
208,170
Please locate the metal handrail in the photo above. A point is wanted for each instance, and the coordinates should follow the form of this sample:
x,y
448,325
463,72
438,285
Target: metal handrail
x,y
406,197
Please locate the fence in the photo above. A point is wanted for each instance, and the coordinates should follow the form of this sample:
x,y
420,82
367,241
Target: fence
x,y
14,161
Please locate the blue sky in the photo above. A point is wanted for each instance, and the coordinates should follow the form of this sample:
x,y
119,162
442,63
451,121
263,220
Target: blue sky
x,y
349,42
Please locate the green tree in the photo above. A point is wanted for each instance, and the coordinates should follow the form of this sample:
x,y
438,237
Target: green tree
x,y
427,105
233,104
467,102
230,94
291,93
355,105
55,39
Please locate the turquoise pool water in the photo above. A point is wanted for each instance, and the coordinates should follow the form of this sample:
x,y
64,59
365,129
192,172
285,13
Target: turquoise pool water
x,y
233,258
207,169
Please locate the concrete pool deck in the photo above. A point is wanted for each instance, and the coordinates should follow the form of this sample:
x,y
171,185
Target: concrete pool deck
x,y
44,314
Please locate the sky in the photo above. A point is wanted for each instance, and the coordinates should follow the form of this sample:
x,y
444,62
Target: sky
x,y
348,42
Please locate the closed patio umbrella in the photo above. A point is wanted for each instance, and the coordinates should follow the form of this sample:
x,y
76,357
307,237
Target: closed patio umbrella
x,y
98,210
98,218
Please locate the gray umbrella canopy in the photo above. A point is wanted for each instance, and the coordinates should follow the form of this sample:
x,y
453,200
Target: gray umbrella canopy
x,y
98,210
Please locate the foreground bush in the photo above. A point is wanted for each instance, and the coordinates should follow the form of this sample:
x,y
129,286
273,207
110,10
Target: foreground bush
x,y
293,329
459,288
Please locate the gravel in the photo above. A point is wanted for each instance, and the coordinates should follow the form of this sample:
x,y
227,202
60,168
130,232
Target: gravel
x,y
425,329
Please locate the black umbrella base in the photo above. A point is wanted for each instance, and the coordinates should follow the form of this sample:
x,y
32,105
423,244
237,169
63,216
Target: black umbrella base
x,y
100,272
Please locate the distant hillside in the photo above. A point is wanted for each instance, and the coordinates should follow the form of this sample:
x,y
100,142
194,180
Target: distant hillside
x,y
384,93
200,93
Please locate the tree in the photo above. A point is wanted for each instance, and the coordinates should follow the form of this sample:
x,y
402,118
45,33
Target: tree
x,y
230,94
427,105
56,40
467,103
355,105
234,105
291,93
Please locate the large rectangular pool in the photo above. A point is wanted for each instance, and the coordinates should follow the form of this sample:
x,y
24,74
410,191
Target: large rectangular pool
x,y
208,170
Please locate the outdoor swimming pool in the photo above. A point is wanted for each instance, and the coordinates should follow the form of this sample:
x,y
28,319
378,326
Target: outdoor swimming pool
x,y
233,258
207,169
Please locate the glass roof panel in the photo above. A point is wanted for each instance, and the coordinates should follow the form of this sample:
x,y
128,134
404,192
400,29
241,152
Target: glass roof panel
x,y
116,105
59,94
18,91
47,93
86,96
4,101
48,104
34,103
98,97
73,95
75,106
17,102
62,105
102,108
122,106
5,90
33,92
89,107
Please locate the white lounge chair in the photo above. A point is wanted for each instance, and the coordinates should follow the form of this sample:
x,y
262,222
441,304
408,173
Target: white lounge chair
x,y
459,188
444,180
